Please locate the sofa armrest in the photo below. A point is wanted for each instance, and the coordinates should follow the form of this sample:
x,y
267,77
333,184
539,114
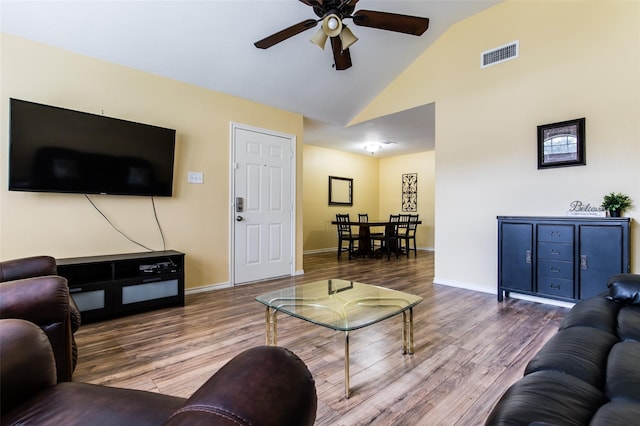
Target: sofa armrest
x,y
625,288
27,267
265,385
27,362
43,301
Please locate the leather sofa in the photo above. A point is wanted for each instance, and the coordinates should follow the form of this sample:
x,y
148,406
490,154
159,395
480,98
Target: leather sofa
x,y
262,386
31,290
588,373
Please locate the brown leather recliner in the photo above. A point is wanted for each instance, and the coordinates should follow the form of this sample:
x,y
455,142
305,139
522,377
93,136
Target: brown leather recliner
x,y
31,290
262,386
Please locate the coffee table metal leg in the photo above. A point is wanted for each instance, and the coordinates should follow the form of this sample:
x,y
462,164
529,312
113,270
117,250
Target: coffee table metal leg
x,y
407,332
271,323
346,363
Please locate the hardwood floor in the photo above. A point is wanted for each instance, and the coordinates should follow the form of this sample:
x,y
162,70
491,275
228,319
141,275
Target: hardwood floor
x,y
468,347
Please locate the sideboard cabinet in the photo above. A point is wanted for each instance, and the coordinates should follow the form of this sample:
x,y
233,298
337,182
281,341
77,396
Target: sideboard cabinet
x,y
562,258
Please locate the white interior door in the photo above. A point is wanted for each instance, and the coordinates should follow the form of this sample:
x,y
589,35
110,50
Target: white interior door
x,y
262,204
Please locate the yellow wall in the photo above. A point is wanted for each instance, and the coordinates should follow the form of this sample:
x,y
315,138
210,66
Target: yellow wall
x,y
391,171
195,220
377,188
577,59
318,165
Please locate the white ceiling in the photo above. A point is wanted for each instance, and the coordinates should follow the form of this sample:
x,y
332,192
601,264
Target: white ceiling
x,y
209,43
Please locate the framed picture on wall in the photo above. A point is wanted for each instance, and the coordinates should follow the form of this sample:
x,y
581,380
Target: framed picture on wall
x,y
561,144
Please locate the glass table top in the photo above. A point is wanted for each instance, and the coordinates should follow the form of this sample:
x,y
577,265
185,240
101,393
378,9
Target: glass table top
x,y
339,304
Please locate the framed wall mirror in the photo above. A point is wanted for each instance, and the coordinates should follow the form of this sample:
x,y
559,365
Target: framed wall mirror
x,y
340,191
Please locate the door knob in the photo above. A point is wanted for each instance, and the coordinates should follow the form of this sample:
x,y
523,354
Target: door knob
x,y
239,218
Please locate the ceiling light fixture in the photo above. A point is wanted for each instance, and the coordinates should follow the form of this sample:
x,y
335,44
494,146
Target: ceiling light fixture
x,y
332,27
372,148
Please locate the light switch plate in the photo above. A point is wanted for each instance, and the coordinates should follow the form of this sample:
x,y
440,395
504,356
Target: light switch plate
x,y
195,177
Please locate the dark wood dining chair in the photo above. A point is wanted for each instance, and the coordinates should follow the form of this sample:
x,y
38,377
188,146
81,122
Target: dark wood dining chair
x,y
345,235
388,241
408,234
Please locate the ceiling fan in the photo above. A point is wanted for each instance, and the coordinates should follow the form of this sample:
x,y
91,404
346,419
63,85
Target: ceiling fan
x,y
332,13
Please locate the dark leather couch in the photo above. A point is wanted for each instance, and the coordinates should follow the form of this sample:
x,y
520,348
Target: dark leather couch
x,y
262,386
31,290
589,372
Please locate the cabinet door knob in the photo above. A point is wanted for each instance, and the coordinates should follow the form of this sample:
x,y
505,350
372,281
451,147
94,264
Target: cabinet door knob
x,y
527,256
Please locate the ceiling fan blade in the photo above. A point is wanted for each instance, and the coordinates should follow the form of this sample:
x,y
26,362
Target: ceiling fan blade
x,y
406,24
276,38
312,3
341,58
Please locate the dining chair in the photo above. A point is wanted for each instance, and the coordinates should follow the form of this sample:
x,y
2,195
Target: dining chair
x,y
389,240
408,234
345,234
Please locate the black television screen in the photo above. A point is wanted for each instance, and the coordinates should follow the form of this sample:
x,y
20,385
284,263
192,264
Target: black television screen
x,y
55,149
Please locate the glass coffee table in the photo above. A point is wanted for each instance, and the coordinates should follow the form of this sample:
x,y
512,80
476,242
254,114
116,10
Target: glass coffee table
x,y
341,306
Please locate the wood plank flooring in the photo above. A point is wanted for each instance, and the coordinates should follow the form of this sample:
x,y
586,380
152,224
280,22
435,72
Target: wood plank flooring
x,y
468,347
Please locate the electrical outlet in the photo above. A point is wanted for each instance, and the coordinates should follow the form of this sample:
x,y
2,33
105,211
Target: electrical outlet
x,y
195,177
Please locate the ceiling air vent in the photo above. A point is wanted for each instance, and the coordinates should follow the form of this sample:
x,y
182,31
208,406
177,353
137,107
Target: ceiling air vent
x,y
499,54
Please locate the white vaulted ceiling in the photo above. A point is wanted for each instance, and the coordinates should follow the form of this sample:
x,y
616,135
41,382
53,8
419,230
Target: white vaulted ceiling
x,y
209,43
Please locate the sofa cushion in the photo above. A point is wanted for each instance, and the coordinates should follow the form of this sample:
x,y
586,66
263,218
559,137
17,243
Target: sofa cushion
x,y
623,374
547,397
578,351
597,312
625,288
617,413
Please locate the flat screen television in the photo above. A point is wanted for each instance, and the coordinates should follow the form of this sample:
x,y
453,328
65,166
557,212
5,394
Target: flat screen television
x,y
54,149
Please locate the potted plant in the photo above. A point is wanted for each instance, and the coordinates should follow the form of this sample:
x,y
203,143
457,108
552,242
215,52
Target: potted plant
x,y
616,203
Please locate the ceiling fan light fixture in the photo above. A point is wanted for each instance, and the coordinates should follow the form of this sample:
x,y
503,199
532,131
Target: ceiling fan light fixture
x,y
347,37
332,25
319,38
372,148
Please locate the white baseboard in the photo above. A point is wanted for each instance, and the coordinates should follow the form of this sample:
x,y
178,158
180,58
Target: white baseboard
x,y
212,287
483,289
204,289
324,250
335,249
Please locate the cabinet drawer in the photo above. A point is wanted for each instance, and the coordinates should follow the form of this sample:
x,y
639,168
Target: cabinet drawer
x,y
555,269
149,291
90,300
555,251
555,233
556,287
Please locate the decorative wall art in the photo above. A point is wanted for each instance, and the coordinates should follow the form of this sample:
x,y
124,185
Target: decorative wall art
x,y
561,144
410,192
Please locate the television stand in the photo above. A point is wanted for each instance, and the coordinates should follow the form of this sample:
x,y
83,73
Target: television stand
x,y
121,284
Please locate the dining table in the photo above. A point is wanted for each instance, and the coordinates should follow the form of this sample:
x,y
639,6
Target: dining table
x,y
364,233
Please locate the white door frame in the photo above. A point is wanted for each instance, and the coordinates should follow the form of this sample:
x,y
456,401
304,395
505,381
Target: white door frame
x,y
232,190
